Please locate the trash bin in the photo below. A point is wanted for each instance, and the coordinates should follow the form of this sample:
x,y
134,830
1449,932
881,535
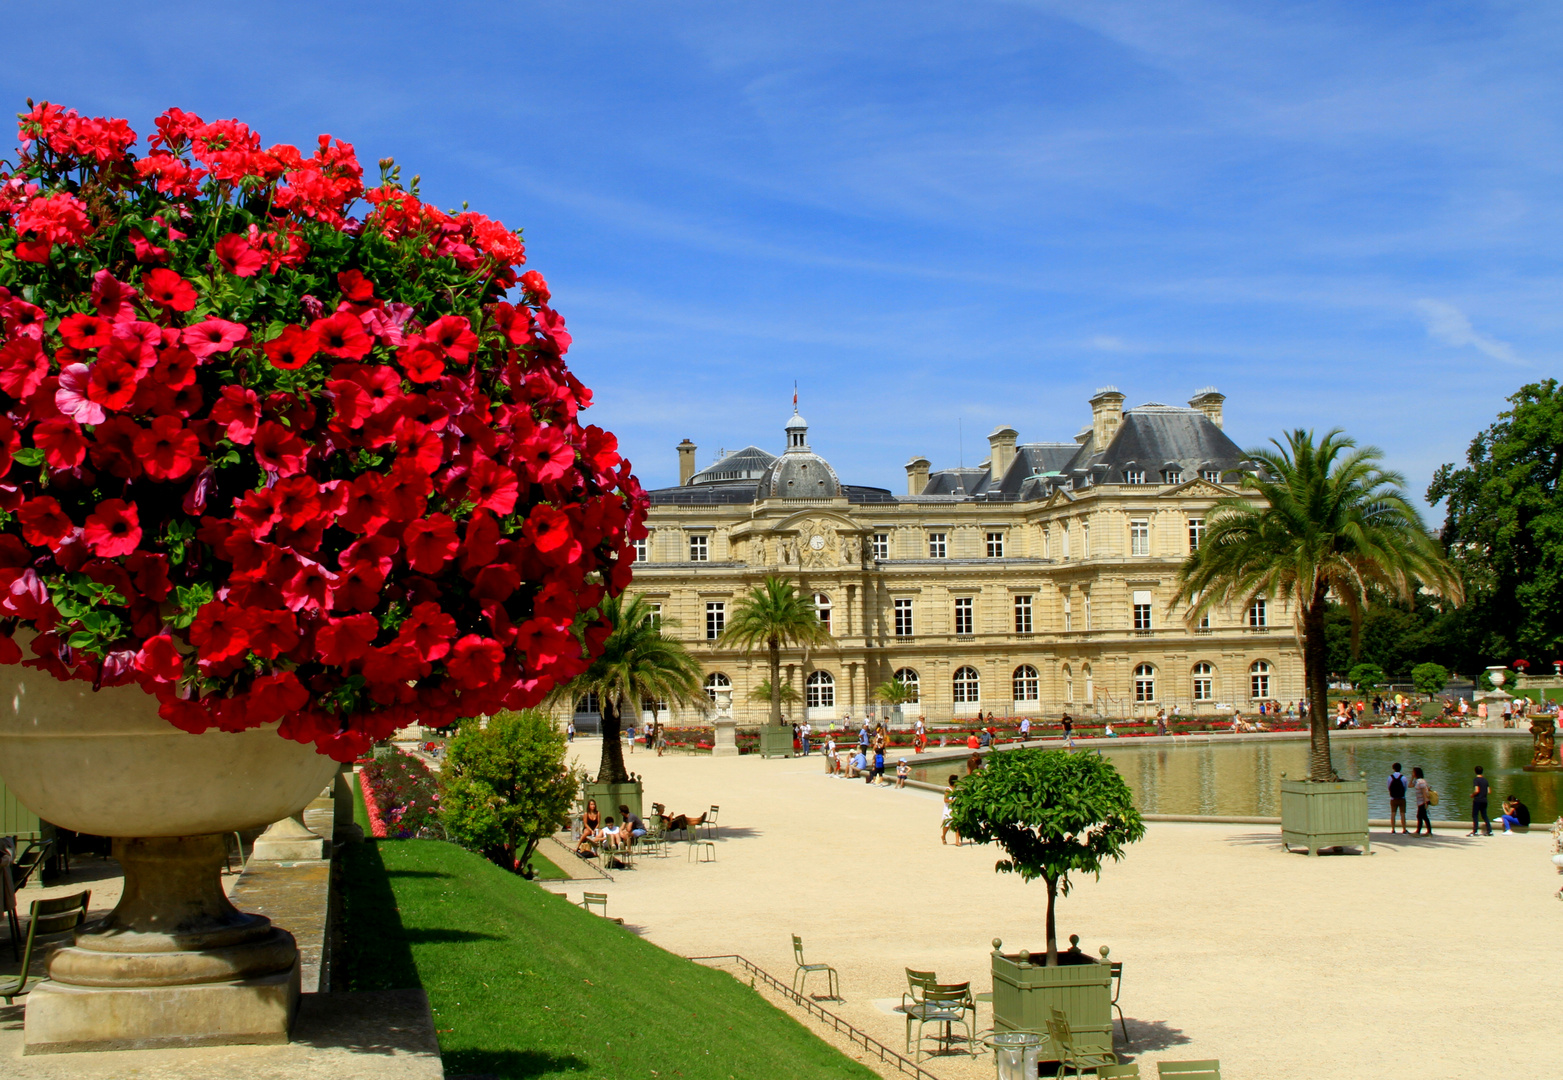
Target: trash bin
x,y
1015,1054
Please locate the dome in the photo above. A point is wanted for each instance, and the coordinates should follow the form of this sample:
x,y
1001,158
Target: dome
x,y
796,423
800,473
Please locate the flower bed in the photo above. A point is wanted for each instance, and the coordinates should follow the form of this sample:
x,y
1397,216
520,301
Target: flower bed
x,y
401,797
278,446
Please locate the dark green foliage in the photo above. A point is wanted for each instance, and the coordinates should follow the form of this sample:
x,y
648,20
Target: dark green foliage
x,y
1053,812
406,793
1366,677
506,785
1430,678
774,614
1503,526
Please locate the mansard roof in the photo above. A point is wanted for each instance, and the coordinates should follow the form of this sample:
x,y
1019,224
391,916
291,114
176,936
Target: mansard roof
x,y
749,463
1156,437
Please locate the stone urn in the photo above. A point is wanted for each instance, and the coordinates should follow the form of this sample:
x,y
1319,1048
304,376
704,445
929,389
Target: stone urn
x,y
174,964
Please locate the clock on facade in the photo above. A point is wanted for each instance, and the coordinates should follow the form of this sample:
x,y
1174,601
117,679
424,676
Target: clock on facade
x,y
817,542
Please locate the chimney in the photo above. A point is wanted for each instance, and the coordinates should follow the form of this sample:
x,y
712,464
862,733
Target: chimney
x,y
686,462
1106,415
1208,401
1002,444
917,475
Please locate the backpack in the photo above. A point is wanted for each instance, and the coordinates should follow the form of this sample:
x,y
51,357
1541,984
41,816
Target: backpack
x,y
1397,787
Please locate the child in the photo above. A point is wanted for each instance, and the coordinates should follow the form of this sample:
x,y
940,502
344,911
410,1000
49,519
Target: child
x,y
902,771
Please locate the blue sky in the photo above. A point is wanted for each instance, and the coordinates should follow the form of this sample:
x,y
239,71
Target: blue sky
x,y
940,216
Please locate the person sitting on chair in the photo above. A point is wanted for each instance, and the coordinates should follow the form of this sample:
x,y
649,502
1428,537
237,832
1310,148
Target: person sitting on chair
x,y
634,828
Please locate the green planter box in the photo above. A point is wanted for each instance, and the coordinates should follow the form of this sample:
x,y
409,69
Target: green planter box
x,y
1318,816
776,740
1026,993
609,796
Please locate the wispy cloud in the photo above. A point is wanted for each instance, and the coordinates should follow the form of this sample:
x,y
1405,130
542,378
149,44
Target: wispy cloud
x,y
1448,324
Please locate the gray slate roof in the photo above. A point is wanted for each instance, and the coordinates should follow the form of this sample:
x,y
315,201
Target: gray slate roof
x,y
749,463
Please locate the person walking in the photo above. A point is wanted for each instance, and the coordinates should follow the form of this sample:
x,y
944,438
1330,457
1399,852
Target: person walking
x,y
569,731
804,732
1479,804
1423,800
1069,730
944,825
1025,728
1397,799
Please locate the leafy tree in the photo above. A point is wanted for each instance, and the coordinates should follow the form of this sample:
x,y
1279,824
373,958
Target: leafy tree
x,y
1366,677
1430,678
894,692
1053,812
774,614
638,663
506,785
1326,520
1503,527
762,692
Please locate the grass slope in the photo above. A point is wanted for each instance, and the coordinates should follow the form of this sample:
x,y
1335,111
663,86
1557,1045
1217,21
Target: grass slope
x,y
525,984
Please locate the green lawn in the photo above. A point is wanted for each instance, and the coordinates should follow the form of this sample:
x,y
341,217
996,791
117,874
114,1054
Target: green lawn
x,y
525,984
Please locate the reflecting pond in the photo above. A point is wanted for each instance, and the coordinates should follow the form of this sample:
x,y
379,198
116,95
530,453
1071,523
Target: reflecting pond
x,y
1242,779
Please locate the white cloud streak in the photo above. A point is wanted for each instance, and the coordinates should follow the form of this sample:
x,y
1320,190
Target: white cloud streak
x,y
1451,326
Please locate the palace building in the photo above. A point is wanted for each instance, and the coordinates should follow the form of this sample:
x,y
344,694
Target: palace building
x,y
1037,582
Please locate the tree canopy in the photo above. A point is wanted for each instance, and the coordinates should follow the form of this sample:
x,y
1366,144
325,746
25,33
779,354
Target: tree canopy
x,y
1053,812
1503,527
1430,678
1366,677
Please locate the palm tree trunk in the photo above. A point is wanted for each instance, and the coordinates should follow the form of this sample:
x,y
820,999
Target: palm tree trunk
x,y
775,647
1316,658
1052,930
611,769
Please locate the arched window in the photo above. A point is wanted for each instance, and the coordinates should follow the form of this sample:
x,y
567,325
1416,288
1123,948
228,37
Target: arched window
x,y
587,703
717,681
820,690
907,677
1259,679
968,686
822,609
1069,685
1204,682
1144,683
1027,685
1090,684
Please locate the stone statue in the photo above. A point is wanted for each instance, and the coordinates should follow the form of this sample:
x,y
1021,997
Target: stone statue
x,y
1543,754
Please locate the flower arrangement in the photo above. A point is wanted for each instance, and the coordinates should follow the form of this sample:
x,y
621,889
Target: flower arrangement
x,y
401,797
273,461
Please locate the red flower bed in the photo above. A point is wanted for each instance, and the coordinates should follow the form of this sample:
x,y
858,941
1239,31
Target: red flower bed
x,y
280,447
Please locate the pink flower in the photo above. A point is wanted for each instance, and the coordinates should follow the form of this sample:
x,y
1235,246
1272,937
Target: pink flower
x,y
71,398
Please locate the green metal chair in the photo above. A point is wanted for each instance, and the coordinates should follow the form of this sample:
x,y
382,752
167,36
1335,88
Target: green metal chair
x,y
1130,1071
800,976
47,919
1117,976
916,983
656,839
1069,1055
1190,1070
947,1004
27,863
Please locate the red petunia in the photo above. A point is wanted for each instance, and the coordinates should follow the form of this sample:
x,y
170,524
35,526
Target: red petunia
x,y
347,638
237,257
159,661
355,287
422,363
279,450
430,542
168,289
213,336
175,369
23,366
169,450
296,501
43,522
111,384
238,410
86,331
492,486
293,348
220,631
546,454
453,335
113,529
62,443
533,283
73,398
358,587
342,335
475,661
428,631
272,632
309,588
273,697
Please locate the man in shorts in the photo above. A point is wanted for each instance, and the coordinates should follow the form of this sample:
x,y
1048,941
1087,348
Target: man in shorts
x,y
1397,799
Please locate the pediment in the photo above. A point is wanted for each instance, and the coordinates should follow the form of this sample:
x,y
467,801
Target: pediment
x,y
1197,488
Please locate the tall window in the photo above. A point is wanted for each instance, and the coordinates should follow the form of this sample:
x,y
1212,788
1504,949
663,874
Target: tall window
x,y
1027,685
1047,542
654,616
936,546
963,618
881,546
1085,540
1022,614
1211,476
1069,685
1144,683
1172,476
967,686
716,619
819,692
1139,537
1134,476
640,549
1258,613
903,618
1196,533
1067,614
717,681
1259,679
1063,540
907,677
699,549
1142,609
1204,682
586,703
1090,685
822,609
995,545
1085,608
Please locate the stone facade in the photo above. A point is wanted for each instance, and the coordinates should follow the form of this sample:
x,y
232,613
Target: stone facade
x,y
1037,582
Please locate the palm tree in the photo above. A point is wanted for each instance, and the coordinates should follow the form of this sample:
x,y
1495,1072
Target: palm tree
x,y
774,614
638,663
762,692
1331,525
893,692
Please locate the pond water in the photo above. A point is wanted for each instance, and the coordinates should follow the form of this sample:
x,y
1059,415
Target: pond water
x,y
1242,779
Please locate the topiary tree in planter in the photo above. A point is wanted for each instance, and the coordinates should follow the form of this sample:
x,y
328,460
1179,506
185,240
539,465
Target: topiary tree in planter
x,y
1053,812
